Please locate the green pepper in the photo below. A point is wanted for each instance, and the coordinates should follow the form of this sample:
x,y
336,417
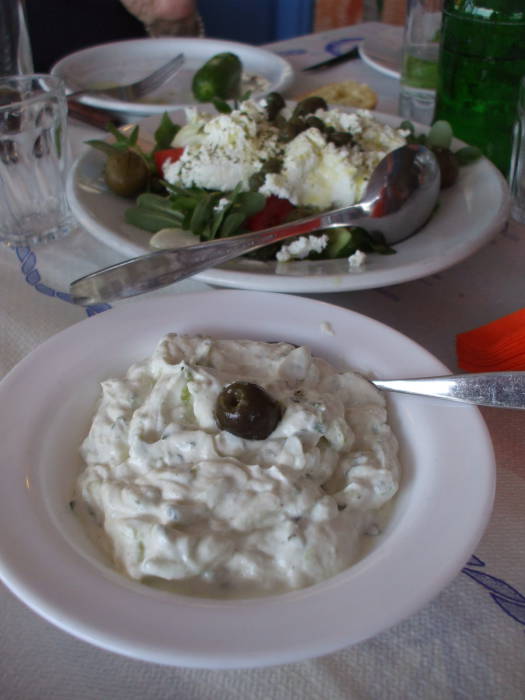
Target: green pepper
x,y
220,77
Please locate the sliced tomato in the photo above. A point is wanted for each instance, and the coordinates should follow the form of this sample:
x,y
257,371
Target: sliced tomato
x,y
172,154
275,212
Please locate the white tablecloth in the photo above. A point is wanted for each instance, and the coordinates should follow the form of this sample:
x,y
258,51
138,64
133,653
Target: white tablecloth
x,y
468,643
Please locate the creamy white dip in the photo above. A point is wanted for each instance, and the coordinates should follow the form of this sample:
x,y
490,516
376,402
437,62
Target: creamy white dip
x,y
178,499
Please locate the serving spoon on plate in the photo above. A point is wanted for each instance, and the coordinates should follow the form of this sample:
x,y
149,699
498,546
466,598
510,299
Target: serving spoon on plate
x,y
496,389
400,197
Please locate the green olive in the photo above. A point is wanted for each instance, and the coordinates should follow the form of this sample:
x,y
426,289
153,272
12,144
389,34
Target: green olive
x,y
126,173
247,410
308,106
448,165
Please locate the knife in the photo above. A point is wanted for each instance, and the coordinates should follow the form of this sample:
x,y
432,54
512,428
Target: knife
x,y
94,116
347,56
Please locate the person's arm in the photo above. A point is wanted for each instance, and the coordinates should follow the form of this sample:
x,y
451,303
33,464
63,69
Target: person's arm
x,y
167,17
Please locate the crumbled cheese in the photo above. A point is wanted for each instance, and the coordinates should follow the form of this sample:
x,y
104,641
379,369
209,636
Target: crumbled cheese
x,y
301,247
221,204
357,260
221,152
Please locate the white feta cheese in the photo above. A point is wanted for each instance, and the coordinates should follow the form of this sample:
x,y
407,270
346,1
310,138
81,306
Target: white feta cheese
x,y
301,247
221,152
357,260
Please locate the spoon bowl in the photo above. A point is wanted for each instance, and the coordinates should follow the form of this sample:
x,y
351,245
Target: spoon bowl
x,y
400,197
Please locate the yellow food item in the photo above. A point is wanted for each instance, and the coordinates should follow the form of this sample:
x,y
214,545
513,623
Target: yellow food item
x,y
347,92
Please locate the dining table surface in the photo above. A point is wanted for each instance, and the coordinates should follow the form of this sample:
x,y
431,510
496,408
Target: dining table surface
x,y
469,642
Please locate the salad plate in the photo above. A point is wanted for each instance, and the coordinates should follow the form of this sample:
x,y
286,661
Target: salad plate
x,y
46,559
122,62
469,214
383,50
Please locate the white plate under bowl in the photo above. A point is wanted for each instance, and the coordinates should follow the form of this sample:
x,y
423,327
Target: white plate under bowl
x,y
122,62
438,517
383,50
469,214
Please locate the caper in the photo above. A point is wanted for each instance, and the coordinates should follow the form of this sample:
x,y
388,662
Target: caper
x,y
126,173
448,165
247,410
340,138
308,106
256,181
315,122
274,104
289,131
272,165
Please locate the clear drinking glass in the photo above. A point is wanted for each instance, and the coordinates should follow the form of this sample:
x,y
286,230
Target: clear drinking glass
x,y
517,162
420,60
15,48
34,156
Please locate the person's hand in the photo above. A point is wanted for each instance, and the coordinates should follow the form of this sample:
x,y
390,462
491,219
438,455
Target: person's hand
x,y
150,11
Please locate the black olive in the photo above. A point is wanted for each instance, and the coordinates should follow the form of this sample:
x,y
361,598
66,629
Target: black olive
x,y
274,104
247,410
126,173
448,165
308,106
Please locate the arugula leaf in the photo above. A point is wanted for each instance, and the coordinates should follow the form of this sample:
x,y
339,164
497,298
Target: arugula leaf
x,y
151,220
165,132
221,106
468,154
231,224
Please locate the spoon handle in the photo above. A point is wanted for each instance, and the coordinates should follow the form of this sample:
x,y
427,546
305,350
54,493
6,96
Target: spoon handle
x,y
154,270
498,389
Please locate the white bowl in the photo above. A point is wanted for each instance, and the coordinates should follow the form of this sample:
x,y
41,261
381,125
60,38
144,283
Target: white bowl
x,y
123,62
46,559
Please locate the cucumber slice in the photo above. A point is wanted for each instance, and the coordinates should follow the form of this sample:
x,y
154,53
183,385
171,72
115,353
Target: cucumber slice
x,y
339,240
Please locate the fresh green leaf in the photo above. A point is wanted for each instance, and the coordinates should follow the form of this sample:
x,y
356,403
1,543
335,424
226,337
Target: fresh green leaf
x,y
250,202
165,132
150,220
231,224
155,202
201,215
132,138
408,126
104,146
467,155
221,106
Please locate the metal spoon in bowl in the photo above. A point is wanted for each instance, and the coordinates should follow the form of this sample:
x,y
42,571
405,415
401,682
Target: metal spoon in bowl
x,y
496,389
400,196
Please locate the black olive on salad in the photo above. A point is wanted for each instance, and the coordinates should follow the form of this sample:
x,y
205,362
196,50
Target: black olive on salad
x,y
247,410
126,173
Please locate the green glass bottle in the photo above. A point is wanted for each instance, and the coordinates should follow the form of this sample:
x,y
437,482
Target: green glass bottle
x,y
481,62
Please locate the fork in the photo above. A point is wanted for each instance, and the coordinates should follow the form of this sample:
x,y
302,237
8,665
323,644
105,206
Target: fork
x,y
141,88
